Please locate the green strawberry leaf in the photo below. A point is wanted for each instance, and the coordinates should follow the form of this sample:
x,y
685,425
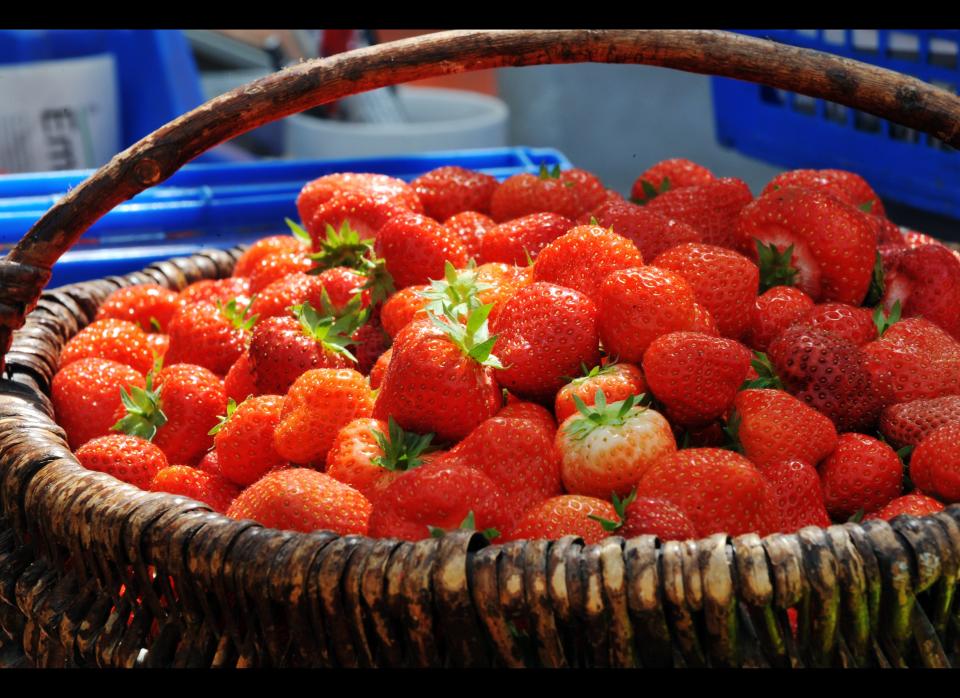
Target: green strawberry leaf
x,y
223,419
904,453
298,232
468,524
342,248
239,317
867,206
602,415
155,325
594,221
776,267
857,517
403,449
664,185
649,191
766,374
732,431
144,412
876,290
884,321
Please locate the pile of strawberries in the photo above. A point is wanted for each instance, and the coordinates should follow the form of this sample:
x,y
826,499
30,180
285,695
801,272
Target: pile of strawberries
x,y
542,357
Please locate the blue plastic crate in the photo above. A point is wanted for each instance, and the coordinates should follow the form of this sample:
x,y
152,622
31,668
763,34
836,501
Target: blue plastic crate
x,y
216,205
796,131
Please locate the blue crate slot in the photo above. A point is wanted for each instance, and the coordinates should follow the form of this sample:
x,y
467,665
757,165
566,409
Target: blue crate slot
x,y
216,205
795,131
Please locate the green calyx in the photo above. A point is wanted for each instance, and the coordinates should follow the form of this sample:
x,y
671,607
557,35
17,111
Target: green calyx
x,y
587,373
867,206
602,415
877,286
239,317
885,321
402,450
223,419
468,524
620,506
473,336
766,374
144,412
732,431
651,192
551,173
775,267
298,232
341,248
333,332
457,289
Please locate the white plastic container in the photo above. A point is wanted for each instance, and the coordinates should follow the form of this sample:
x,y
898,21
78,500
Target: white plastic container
x,y
439,119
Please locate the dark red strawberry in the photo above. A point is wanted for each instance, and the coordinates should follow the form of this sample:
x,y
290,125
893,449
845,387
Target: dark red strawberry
x,y
799,495
908,423
650,231
926,282
913,504
447,191
710,208
862,473
520,240
854,324
935,464
774,311
416,248
849,187
666,175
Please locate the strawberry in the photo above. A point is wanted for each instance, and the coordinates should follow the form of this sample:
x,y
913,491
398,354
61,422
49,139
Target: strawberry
x,y
319,403
276,265
720,491
711,208
862,473
240,381
908,423
440,377
209,463
913,504
589,188
799,495
812,240
703,321
926,282
645,516
369,342
519,240
854,324
914,359
159,344
935,464
438,496
116,340
447,191
616,381
213,490
86,397
191,398
829,373
277,298
380,188
774,311
379,369
416,248
849,187
208,335
300,499
608,448
148,305
551,191
243,439
651,232
694,375
341,285
369,454
233,288
545,332
359,211
638,305
282,348
675,173
402,307
723,281
496,283
265,246
582,258
470,227
773,426
128,458
565,515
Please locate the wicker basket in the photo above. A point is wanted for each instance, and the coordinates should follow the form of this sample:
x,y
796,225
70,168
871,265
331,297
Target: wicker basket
x,y
96,572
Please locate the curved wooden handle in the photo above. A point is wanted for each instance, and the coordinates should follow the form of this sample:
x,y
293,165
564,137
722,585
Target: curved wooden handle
x,y
881,92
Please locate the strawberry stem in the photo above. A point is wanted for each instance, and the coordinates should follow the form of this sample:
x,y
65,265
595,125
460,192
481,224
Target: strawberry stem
x,y
602,415
775,266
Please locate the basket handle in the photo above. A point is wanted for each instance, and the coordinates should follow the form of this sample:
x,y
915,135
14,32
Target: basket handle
x,y
884,93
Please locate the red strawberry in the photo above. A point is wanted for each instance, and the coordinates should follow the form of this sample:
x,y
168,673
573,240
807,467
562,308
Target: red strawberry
x,y
666,175
651,232
712,208
240,381
849,187
213,290
209,463
616,381
913,504
545,332
589,188
447,191
519,240
703,321
159,344
645,516
773,426
341,285
565,515
213,490
496,283
369,342
832,249
416,248
275,266
359,211
470,227
914,359
149,305
439,497
128,458
720,491
723,281
86,397
908,423
265,246
277,298
379,369
799,495
774,311
300,499
856,325
829,373
212,336
694,375
567,193
638,305
935,464
926,282
402,307
244,439
582,258
862,473
192,399
116,340
380,188
609,448
320,403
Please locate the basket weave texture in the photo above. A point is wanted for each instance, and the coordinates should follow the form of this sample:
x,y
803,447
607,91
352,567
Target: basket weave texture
x,y
94,572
